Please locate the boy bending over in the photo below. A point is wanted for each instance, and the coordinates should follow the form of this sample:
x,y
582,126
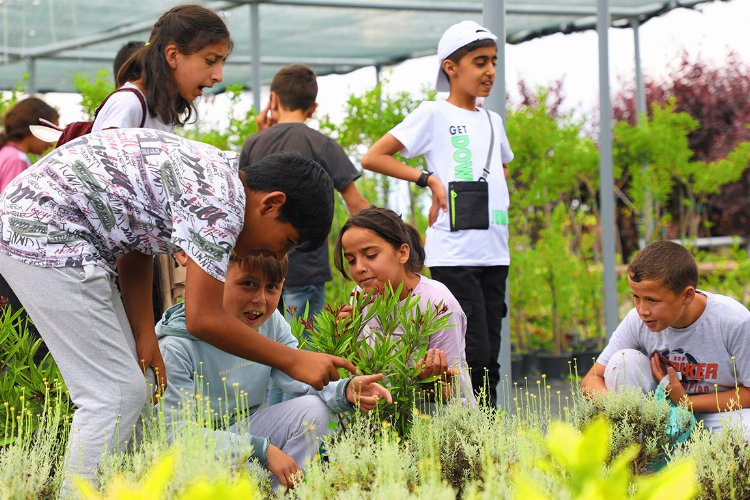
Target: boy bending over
x,y
693,343
284,435
102,206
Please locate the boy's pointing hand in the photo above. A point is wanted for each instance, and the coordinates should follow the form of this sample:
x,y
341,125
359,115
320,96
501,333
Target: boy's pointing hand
x,y
318,369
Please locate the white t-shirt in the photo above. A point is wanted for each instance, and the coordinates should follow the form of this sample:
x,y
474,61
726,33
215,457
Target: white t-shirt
x,y
124,110
702,352
111,192
455,143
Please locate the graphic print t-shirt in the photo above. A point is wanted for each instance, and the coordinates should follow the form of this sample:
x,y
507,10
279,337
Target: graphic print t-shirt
x,y
702,352
108,193
455,143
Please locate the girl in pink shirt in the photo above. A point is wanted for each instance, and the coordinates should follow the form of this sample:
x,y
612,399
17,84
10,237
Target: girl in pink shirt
x,y
379,248
16,140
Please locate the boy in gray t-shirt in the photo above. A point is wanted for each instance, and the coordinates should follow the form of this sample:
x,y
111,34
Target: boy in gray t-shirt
x,y
695,344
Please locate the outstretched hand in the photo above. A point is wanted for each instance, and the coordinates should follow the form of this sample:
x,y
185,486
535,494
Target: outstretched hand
x,y
434,363
439,201
317,369
364,392
149,356
283,467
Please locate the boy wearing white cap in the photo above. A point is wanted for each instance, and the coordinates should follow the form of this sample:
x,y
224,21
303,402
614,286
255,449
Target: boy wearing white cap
x,y
467,153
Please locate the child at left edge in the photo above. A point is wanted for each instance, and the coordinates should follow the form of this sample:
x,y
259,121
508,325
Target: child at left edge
x,y
101,206
283,436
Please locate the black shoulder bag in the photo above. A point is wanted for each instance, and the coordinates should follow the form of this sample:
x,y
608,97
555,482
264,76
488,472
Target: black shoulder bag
x,y
468,201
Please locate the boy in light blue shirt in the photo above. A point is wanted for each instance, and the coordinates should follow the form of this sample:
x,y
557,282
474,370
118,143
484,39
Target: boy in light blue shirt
x,y
283,436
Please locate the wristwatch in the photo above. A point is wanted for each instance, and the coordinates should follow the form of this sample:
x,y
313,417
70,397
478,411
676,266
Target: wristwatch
x,y
422,181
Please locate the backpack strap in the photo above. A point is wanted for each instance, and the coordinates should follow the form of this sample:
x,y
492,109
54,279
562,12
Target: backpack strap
x,y
127,89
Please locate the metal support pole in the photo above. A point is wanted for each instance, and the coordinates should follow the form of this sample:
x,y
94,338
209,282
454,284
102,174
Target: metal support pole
x,y
255,53
494,20
606,177
31,70
647,217
640,91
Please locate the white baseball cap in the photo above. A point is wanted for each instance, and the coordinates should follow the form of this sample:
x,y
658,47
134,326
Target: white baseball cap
x,y
455,37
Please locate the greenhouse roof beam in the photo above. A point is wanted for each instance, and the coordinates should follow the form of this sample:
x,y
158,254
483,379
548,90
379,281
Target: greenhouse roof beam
x,y
511,8
97,56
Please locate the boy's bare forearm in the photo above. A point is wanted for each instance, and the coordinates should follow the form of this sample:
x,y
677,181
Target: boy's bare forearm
x,y
207,319
136,274
733,399
593,384
380,159
354,200
390,166
230,335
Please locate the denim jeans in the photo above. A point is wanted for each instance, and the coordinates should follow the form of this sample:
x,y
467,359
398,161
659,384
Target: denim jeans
x,y
299,296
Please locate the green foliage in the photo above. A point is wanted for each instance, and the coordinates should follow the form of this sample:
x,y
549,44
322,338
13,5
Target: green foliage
x,y
395,339
93,90
552,160
32,450
658,159
724,470
159,477
368,117
8,99
731,274
471,452
460,442
554,290
635,418
580,466
25,385
241,125
554,278
361,467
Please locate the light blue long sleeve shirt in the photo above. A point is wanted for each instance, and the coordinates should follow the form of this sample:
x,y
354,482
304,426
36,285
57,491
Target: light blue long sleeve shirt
x,y
196,367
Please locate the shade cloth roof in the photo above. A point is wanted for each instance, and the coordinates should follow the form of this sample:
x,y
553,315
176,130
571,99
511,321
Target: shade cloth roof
x,y
56,38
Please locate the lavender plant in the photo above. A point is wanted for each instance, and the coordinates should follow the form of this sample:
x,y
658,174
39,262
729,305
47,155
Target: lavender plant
x,y
381,333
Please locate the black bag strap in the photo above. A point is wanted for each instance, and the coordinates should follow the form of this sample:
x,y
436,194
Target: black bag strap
x,y
486,170
128,89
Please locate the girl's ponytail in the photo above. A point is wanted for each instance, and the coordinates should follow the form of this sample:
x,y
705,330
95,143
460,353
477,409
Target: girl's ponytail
x,y
416,255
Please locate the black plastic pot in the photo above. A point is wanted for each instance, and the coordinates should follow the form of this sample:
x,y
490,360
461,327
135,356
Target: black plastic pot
x,y
555,366
583,361
530,365
516,366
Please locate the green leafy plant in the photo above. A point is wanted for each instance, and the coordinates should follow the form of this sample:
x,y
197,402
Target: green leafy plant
x,y
635,418
26,385
724,470
241,125
93,90
383,334
580,465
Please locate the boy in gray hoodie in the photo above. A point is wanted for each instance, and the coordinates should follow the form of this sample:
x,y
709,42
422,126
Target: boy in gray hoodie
x,y
281,436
